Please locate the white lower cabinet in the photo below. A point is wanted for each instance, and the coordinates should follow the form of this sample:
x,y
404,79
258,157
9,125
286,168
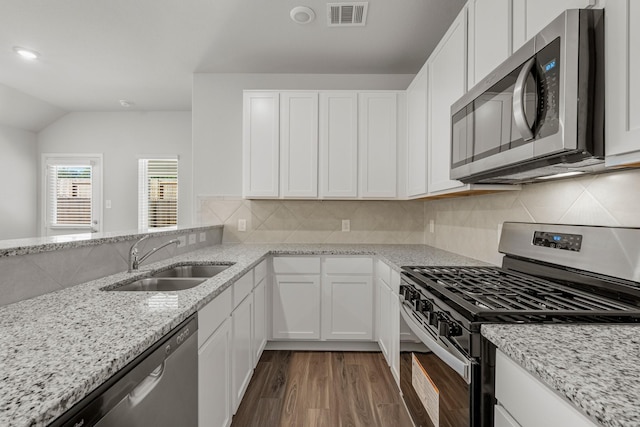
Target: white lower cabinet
x,y
388,316
214,378
313,298
296,308
241,350
259,319
384,323
214,362
524,401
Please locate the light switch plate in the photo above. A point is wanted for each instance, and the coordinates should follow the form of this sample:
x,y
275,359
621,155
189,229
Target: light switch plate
x,y
182,241
192,239
203,236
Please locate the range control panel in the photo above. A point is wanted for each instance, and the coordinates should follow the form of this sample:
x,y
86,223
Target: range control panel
x,y
567,242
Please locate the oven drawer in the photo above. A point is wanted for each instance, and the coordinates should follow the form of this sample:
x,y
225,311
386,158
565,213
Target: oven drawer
x,y
530,402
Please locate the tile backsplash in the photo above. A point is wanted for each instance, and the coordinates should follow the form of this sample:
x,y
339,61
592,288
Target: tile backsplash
x,y
470,225
314,221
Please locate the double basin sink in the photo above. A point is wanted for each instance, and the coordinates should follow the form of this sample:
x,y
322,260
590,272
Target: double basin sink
x,y
175,278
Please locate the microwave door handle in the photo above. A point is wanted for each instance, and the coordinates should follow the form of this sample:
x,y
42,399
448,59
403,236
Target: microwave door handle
x,y
519,114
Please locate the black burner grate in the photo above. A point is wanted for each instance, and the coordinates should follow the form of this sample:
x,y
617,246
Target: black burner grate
x,y
493,291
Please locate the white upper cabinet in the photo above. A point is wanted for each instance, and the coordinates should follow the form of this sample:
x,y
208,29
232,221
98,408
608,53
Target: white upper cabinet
x,y
489,36
447,78
261,142
299,144
529,16
622,67
378,134
338,145
417,135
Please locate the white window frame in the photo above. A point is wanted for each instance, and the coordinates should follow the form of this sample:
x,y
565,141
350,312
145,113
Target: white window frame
x,y
96,160
143,191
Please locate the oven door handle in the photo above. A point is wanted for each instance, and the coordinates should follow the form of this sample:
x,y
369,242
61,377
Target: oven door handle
x,y
462,368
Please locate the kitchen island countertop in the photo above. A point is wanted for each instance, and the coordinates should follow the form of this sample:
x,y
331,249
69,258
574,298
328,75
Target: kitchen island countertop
x,y
595,367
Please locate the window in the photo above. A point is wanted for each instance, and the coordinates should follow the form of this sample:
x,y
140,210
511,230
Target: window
x,y
158,193
72,194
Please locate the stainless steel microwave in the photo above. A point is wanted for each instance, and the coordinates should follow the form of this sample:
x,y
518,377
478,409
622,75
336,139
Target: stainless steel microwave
x,y
541,112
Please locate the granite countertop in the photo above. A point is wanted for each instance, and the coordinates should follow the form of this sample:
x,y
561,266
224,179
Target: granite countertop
x,y
56,348
596,367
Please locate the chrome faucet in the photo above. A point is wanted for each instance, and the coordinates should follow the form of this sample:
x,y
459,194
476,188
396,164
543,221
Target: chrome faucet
x,y
134,261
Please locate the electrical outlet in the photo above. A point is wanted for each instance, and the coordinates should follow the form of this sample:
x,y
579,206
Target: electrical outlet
x,y
242,225
182,241
346,225
107,204
192,239
203,237
432,226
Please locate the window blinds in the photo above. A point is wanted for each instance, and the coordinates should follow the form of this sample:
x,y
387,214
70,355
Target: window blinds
x,y
158,193
69,195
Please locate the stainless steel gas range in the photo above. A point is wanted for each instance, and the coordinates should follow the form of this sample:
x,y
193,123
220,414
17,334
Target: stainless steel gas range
x,y
550,274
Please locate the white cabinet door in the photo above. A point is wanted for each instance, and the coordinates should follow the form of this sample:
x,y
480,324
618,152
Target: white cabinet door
x,y
296,306
384,311
341,318
531,16
530,402
490,36
377,140
259,320
417,135
214,378
447,83
338,145
394,336
299,144
622,69
241,350
260,144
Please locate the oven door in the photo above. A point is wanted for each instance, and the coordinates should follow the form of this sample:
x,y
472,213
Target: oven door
x,y
435,383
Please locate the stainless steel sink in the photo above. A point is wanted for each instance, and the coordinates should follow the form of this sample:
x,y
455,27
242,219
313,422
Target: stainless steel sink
x,y
193,271
161,284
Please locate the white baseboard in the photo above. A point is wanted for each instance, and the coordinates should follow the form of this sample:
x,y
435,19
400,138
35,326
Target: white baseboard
x,y
323,345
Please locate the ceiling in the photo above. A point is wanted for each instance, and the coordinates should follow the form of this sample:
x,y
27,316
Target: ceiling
x,y
96,52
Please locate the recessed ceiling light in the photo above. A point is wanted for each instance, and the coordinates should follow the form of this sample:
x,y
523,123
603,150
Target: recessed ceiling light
x,y
126,103
302,14
26,53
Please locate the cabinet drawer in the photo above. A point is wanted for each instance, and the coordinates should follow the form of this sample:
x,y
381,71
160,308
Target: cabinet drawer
x,y
242,287
213,314
259,272
296,265
530,402
383,271
350,265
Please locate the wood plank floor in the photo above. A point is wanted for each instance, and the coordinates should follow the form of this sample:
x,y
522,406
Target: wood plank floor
x,y
321,389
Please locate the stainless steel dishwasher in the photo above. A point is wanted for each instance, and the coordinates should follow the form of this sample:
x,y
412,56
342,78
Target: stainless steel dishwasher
x,y
159,388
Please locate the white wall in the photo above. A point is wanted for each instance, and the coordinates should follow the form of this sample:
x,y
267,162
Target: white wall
x,y
18,171
123,138
217,118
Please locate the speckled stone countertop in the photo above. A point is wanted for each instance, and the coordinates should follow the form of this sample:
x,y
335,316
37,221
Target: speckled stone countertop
x,y
36,245
56,348
596,367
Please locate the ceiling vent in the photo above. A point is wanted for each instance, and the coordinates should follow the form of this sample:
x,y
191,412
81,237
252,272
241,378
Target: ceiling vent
x,y
347,14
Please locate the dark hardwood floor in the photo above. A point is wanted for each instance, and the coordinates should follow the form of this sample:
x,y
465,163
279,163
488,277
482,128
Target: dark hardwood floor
x,y
321,389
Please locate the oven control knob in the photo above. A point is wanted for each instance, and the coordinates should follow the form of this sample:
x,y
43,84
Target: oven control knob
x,y
422,306
448,328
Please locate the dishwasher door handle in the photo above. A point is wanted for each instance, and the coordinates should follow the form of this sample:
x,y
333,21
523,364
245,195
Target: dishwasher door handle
x,y
145,386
